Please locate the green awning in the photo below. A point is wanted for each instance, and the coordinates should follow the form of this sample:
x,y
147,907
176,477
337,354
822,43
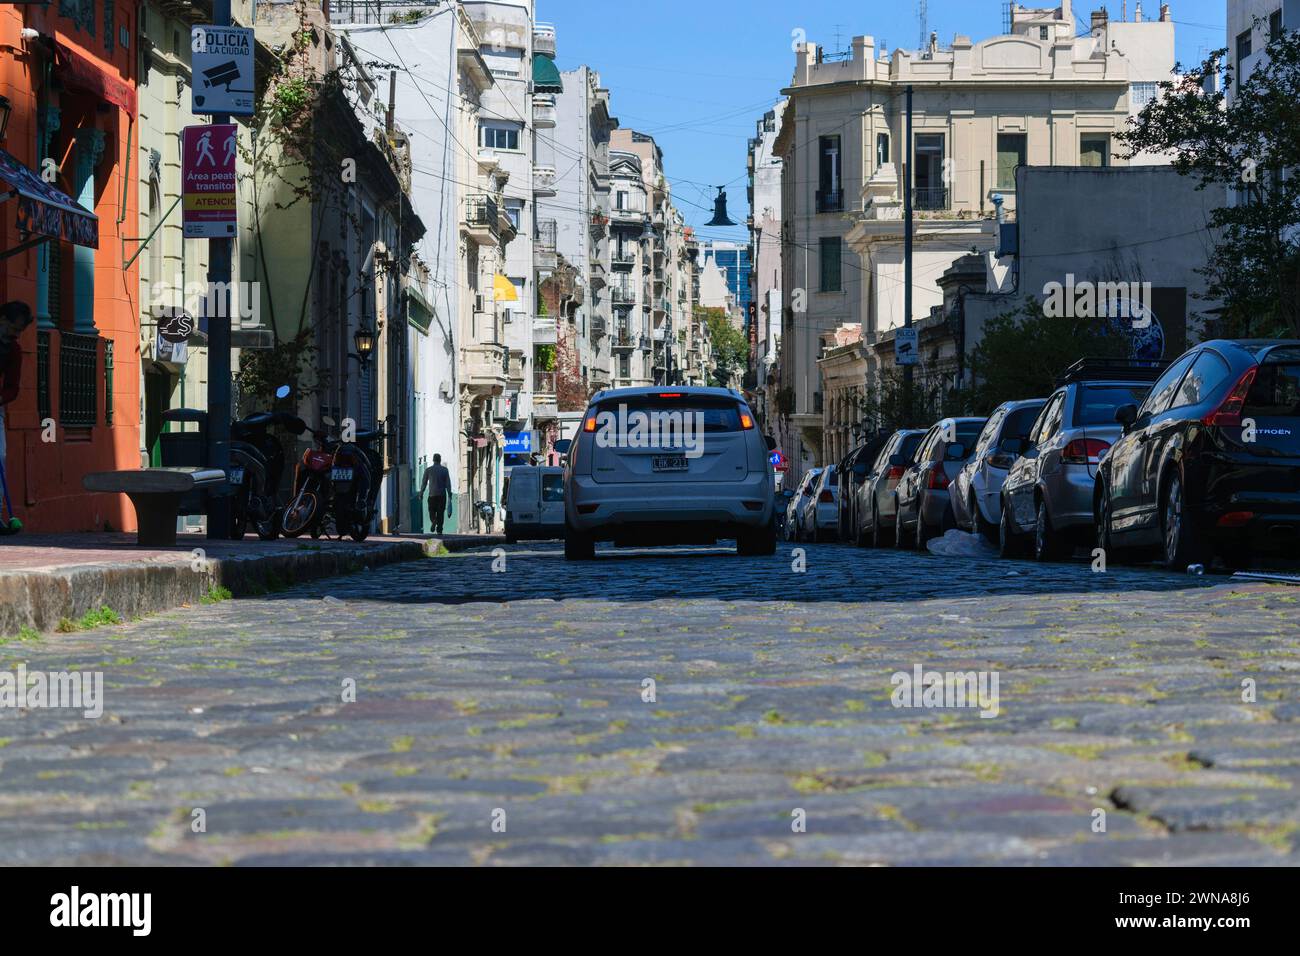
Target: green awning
x,y
546,75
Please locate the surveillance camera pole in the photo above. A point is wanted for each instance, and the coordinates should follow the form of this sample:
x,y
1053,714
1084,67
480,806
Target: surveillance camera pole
x,y
218,301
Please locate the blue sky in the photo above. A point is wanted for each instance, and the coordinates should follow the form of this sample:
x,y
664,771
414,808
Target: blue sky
x,y
698,75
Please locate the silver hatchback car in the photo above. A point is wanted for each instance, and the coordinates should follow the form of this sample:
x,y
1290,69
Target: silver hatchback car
x,y
1047,496
668,465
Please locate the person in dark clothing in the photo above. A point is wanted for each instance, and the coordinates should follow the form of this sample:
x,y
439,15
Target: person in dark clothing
x,y
437,479
14,318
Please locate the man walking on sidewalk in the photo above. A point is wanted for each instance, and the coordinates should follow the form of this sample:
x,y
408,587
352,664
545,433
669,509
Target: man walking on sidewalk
x,y
438,480
14,318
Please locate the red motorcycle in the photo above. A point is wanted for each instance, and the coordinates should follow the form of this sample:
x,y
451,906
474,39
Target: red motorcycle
x,y
313,488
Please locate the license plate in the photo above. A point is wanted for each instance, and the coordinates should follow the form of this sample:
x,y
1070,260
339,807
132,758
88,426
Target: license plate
x,y
341,474
671,463
236,476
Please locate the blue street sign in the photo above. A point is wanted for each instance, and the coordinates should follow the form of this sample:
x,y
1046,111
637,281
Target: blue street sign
x,y
518,443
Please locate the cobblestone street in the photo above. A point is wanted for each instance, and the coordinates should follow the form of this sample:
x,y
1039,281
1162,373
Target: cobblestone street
x,y
493,724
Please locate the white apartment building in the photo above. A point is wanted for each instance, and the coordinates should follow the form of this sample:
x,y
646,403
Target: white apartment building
x,y
1037,95
765,252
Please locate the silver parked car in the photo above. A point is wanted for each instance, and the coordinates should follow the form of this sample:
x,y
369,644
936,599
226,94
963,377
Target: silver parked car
x,y
875,511
977,489
794,510
1047,496
821,512
922,492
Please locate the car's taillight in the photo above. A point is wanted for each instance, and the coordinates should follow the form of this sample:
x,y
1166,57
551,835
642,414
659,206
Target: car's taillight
x,y
745,421
1228,414
895,473
670,394
1236,519
1084,451
826,497
938,479
1000,459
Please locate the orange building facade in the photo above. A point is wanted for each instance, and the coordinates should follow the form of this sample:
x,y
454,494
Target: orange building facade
x,y
68,70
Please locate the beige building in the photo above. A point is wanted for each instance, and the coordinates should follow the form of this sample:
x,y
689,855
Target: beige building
x,y
1038,95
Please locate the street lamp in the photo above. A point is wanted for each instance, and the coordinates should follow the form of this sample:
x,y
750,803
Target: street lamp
x,y
364,339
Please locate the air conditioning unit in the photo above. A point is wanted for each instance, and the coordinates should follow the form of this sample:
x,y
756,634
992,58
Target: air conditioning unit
x,y
505,407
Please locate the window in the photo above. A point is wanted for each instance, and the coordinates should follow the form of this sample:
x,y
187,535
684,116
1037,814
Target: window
x,y
500,136
503,62
621,201
1094,150
990,432
1163,390
1042,33
882,149
1011,153
831,280
1243,49
1052,408
1140,94
514,211
1275,25
1208,373
829,197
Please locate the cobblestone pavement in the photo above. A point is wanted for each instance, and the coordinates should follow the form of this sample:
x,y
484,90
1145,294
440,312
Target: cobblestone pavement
x,y
515,697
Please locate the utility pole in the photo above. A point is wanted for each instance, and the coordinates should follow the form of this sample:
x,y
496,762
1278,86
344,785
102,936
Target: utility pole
x,y
907,253
217,307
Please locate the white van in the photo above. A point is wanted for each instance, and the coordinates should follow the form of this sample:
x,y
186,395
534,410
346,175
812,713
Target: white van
x,y
534,501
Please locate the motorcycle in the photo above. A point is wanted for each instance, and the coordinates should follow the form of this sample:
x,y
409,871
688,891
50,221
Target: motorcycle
x,y
485,516
335,483
355,476
256,465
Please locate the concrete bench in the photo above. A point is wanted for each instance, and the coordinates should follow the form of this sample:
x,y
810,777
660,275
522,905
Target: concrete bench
x,y
156,494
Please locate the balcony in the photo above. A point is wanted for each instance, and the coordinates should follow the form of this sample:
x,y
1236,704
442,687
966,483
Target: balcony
x,y
628,216
543,330
544,116
598,328
622,295
543,180
543,383
622,339
830,200
482,221
544,38
931,199
623,257
544,256
484,368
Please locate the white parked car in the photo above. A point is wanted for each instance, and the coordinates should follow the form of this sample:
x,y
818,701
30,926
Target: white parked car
x,y
534,501
668,465
821,511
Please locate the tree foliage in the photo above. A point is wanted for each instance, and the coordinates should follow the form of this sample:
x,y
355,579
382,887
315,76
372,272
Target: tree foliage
x,y
730,347
1253,268
1023,352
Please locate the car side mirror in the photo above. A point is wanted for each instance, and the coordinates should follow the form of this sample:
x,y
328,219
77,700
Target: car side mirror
x,y
860,470
898,461
787,493
1126,415
770,442
956,451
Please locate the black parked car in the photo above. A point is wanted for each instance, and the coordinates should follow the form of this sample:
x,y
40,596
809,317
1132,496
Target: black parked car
x,y
853,471
1210,462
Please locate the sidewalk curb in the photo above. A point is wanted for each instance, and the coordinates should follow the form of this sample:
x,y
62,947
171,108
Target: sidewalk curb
x,y
40,599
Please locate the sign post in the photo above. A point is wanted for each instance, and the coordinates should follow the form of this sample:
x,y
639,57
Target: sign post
x,y
221,59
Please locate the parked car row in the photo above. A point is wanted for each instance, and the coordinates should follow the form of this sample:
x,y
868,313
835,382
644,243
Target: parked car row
x,y
1191,460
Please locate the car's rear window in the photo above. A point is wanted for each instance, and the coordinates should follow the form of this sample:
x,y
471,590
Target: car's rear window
x,y
552,487
833,479
968,432
910,442
718,415
1097,403
1276,391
